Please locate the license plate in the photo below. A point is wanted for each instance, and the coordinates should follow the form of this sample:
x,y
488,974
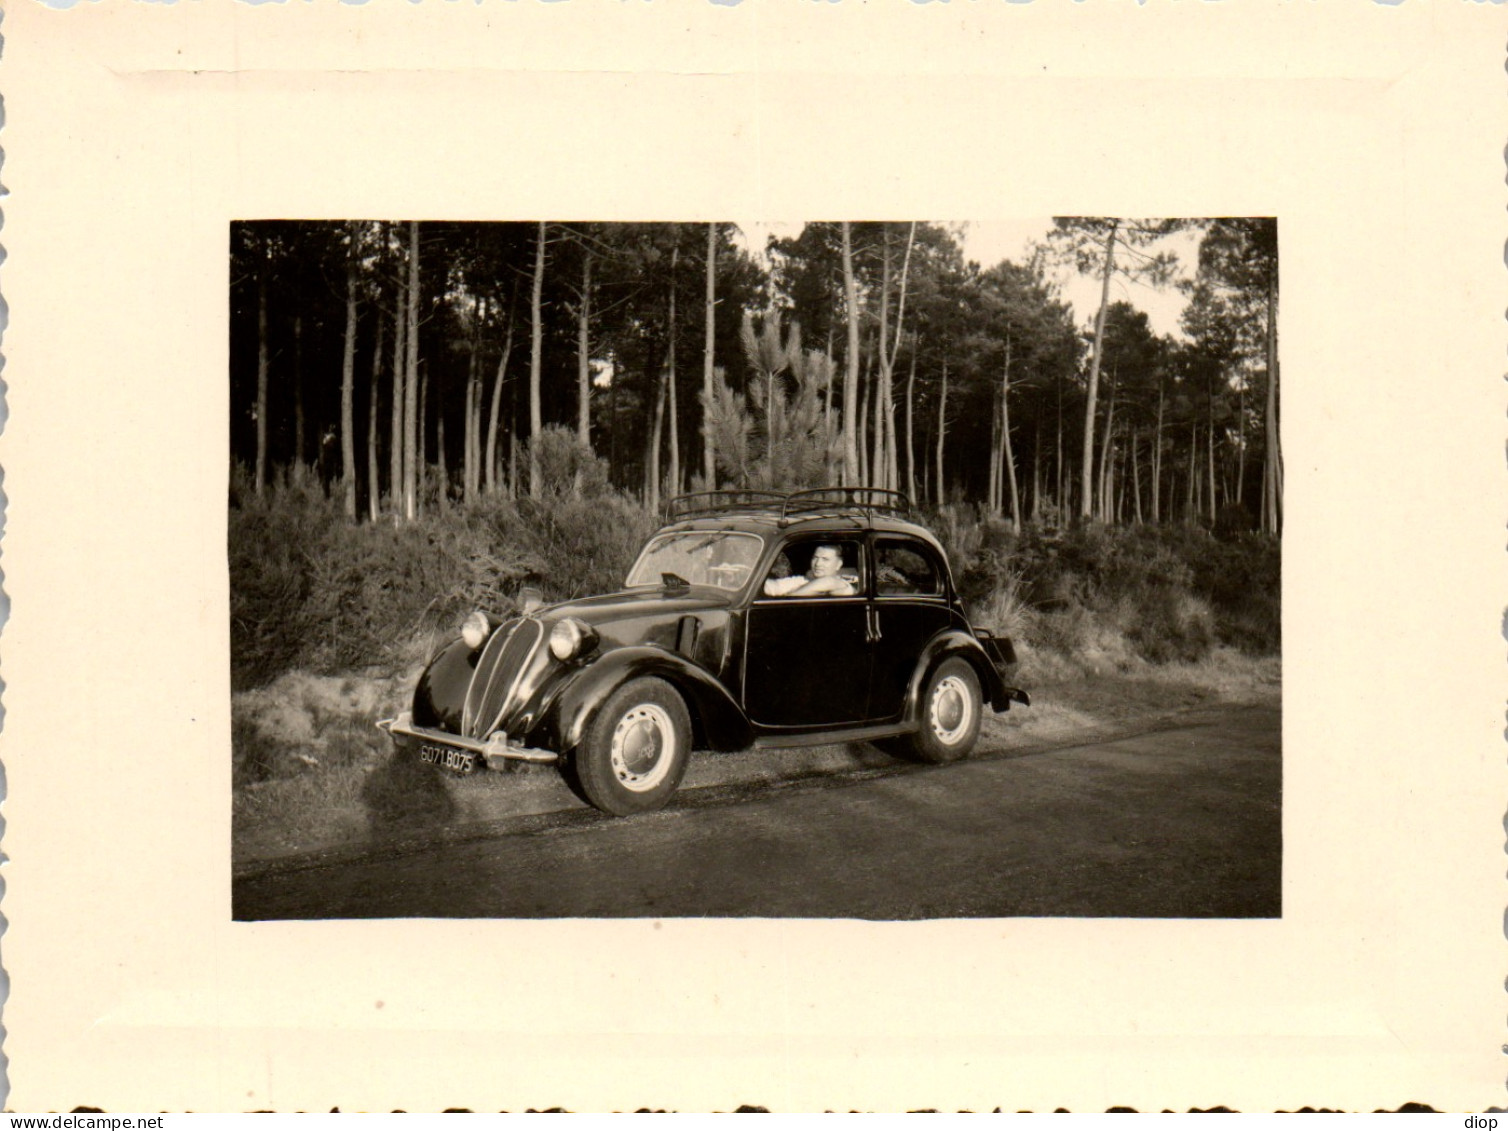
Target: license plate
x,y
461,761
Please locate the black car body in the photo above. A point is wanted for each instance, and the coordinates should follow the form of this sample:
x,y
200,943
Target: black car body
x,y
694,654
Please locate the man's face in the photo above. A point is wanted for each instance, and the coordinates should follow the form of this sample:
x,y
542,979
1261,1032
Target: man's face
x,y
826,561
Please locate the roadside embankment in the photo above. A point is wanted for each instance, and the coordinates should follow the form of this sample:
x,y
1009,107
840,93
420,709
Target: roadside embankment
x,y
313,773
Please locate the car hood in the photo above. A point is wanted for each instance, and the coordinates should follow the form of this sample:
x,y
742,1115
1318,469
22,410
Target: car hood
x,y
654,616
634,604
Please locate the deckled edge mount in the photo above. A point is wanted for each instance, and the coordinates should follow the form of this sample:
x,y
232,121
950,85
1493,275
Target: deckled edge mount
x,y
4,620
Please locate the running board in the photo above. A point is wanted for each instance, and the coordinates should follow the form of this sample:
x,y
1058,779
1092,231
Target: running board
x,y
833,737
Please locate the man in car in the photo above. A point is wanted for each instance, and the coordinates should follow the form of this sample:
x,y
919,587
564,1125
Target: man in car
x,y
822,579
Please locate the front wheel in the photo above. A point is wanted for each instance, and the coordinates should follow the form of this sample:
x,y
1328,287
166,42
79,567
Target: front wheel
x,y
951,710
635,751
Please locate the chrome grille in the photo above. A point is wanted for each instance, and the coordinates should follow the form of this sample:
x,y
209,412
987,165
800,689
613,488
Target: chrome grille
x,y
497,672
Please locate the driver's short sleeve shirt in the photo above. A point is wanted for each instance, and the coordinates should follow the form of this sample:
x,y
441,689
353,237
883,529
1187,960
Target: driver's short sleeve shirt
x,y
785,586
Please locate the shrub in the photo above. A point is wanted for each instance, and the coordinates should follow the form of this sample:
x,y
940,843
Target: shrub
x,y
566,467
1171,593
1171,624
310,590
581,545
300,723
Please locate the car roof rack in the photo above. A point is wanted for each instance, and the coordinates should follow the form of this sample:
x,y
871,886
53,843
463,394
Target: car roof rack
x,y
790,505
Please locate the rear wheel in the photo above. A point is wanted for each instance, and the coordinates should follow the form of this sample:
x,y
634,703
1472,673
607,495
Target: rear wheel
x,y
635,752
951,710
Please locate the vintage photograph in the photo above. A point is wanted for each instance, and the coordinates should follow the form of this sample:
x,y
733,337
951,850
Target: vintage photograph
x,y
878,570
727,555
886,570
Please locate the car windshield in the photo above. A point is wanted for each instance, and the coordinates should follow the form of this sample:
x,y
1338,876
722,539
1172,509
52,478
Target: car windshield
x,y
720,558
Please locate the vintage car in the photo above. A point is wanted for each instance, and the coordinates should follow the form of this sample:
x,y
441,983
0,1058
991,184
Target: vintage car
x,y
696,652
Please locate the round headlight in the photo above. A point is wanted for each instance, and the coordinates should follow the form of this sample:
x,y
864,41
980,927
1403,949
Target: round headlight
x,y
571,638
475,629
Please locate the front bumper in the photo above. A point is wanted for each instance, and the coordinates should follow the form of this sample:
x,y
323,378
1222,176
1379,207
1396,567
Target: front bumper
x,y
495,750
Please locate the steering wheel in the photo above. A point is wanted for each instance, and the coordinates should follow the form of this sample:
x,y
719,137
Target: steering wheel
x,y
730,570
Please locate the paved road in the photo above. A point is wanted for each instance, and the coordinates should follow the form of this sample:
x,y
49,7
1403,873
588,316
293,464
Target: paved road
x,y
1182,822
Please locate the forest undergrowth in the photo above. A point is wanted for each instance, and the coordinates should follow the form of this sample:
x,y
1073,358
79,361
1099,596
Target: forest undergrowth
x,y
331,622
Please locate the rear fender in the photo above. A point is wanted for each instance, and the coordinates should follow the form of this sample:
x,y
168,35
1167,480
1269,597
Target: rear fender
x,y
717,719
956,642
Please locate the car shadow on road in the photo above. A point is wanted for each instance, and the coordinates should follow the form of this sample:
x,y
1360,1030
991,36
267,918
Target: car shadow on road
x,y
403,795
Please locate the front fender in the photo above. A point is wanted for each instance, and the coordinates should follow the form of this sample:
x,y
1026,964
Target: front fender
x,y
957,642
440,695
719,722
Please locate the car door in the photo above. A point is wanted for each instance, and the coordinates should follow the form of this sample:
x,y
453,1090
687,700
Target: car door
x,y
807,659
910,607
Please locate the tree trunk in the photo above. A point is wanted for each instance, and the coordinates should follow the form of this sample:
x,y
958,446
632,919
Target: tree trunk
x,y
926,481
474,432
877,433
827,392
374,489
709,451
536,350
880,461
892,455
670,380
261,467
1114,486
421,453
652,457
863,436
411,380
992,504
771,419
584,358
1210,424
1136,476
1005,432
942,433
1037,483
1272,476
1058,499
469,446
300,440
399,428
910,435
348,388
1240,445
1086,503
612,427
851,371
1104,486
1157,457
497,398
1190,512
442,466
829,459
892,465
471,459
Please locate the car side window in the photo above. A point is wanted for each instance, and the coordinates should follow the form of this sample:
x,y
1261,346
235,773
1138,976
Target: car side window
x,y
806,569
905,569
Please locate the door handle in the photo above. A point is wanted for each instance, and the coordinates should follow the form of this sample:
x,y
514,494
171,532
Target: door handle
x,y
871,624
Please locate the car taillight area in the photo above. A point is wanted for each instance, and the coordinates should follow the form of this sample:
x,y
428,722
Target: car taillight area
x,y
503,663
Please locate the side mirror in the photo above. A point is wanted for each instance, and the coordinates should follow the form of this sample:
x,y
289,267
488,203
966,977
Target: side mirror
x,y
530,598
